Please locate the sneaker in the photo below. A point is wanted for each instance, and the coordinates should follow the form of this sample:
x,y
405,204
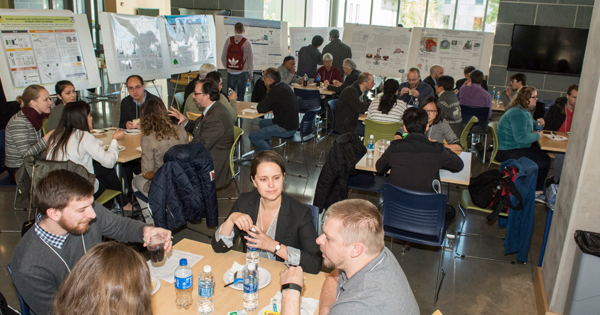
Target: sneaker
x,y
540,197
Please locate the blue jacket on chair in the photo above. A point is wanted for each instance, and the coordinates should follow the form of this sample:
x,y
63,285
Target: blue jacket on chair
x,y
519,224
183,189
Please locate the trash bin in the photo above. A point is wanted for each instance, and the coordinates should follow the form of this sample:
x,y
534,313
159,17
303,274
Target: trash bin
x,y
583,296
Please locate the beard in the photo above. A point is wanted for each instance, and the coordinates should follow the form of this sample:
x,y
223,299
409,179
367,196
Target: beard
x,y
327,262
75,229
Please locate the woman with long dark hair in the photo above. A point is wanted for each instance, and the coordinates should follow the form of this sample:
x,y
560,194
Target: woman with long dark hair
x,y
387,108
65,94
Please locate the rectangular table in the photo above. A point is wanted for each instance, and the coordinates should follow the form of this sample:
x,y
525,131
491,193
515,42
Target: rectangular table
x,y
247,110
499,107
461,178
130,142
227,299
548,144
311,86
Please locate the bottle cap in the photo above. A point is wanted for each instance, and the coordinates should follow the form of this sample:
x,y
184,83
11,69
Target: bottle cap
x,y
251,266
183,262
207,268
371,137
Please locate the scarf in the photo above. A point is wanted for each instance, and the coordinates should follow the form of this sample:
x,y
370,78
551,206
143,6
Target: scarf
x,y
35,118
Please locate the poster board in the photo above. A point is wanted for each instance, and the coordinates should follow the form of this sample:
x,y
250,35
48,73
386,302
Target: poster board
x,y
379,50
302,36
134,44
453,50
191,40
268,39
44,47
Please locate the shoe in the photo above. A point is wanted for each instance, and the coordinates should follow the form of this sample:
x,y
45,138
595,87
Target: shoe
x,y
540,197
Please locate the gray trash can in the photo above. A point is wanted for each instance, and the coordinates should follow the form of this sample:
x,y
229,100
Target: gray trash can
x,y
583,296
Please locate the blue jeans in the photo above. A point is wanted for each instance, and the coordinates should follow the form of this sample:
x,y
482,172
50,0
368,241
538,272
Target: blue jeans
x,y
237,82
261,138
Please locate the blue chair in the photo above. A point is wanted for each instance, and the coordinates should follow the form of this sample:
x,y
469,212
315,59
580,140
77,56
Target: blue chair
x,y
308,99
315,213
308,131
332,105
416,217
368,182
479,129
24,307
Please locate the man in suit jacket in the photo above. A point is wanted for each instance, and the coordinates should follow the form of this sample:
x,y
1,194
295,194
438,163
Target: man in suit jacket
x,y
350,76
214,127
435,72
131,106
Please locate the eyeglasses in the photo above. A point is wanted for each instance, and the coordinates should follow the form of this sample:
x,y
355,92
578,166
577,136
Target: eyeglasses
x,y
133,88
535,97
431,111
196,94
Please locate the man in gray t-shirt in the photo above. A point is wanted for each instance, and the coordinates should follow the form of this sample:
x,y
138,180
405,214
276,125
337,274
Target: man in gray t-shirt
x,y
367,278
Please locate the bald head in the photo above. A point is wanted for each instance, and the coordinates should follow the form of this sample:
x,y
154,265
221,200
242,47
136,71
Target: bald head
x,y
436,71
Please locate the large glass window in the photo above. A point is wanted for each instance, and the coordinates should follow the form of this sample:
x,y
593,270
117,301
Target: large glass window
x,y
337,16
412,13
293,13
440,14
469,16
492,16
272,10
358,11
385,12
317,13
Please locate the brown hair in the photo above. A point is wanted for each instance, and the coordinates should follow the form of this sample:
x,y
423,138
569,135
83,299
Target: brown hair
x,y
58,188
154,117
263,157
572,87
111,279
30,93
364,77
522,98
239,28
360,222
73,118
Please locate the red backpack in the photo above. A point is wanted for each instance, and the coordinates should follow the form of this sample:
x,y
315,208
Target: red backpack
x,y
235,54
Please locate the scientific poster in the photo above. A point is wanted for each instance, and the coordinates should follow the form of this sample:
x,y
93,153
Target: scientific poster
x,y
302,36
137,42
379,50
191,40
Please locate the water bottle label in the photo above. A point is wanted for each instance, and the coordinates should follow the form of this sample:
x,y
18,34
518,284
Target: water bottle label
x,y
183,283
250,285
371,146
252,249
206,291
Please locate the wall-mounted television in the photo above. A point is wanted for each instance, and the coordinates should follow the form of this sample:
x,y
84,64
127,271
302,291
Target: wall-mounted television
x,y
546,49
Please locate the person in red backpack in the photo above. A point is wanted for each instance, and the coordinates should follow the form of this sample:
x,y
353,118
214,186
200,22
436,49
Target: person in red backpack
x,y
237,57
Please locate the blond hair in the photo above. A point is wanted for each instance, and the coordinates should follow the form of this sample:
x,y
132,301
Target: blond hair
x,y
360,222
522,98
30,93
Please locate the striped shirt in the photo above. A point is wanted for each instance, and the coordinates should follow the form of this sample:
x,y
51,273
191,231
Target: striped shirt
x,y
22,140
394,115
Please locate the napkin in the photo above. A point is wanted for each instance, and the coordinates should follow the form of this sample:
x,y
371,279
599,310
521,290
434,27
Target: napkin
x,y
249,110
309,305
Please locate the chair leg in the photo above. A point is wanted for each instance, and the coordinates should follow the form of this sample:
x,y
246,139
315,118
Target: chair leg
x,y
484,146
436,292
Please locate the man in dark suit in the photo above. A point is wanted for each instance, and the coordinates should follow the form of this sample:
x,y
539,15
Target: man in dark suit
x,y
131,106
352,103
214,127
435,72
350,76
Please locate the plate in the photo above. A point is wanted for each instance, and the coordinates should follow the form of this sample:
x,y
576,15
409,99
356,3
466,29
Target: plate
x,y
556,137
139,149
110,128
155,284
264,278
96,131
133,132
120,148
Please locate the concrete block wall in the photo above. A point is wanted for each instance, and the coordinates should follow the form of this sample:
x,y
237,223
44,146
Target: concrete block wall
x,y
243,8
560,13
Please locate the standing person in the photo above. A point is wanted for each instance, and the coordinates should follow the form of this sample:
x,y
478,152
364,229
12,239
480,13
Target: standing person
x,y
337,49
65,94
350,76
414,90
238,58
284,104
467,79
111,279
353,243
131,105
24,135
448,101
69,223
474,95
352,103
387,108
287,71
517,137
435,72
309,57
285,229
517,81
328,72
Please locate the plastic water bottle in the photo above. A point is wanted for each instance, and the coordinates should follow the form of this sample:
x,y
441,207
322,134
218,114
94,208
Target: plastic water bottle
x,y
370,147
206,292
252,253
498,99
250,287
183,285
494,95
318,80
305,83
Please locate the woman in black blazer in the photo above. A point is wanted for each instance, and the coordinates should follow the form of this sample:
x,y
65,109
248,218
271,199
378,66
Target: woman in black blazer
x,y
284,227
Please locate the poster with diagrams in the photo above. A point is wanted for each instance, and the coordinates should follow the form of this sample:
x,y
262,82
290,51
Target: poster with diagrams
x,y
191,40
266,38
40,48
379,50
453,50
302,36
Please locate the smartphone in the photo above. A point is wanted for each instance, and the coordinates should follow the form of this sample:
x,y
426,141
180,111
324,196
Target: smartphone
x,y
229,91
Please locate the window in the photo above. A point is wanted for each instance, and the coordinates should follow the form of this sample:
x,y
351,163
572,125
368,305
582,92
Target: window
x,y
478,2
358,11
293,13
385,12
440,14
317,13
466,14
272,10
492,16
412,13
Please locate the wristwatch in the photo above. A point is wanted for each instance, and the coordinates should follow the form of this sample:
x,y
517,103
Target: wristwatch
x,y
292,286
277,247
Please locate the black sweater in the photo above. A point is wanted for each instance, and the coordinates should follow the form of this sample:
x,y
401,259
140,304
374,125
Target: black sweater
x,y
129,110
284,104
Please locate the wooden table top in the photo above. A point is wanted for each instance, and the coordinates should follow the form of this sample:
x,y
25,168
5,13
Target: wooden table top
x,y
312,86
227,299
461,178
548,144
243,107
499,107
363,117
130,142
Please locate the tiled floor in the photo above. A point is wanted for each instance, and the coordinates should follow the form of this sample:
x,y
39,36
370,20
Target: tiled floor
x,y
470,286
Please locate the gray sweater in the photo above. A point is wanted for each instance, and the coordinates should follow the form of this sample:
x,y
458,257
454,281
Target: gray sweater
x,y
38,272
441,131
22,140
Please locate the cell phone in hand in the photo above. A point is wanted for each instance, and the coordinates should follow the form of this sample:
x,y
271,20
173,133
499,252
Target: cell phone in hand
x,y
229,91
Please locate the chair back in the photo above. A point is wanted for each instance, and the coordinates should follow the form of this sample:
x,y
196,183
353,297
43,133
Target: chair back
x,y
465,133
2,150
308,99
179,100
237,133
332,105
482,113
315,213
24,306
418,213
494,127
308,126
45,126
193,116
380,130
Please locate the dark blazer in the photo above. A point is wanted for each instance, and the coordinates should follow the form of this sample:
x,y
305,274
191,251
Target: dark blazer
x,y
348,81
429,80
348,109
216,130
295,228
129,110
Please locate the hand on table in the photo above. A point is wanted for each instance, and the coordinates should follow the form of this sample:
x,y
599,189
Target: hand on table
x,y
301,81
118,135
261,240
326,83
292,275
130,125
150,231
175,113
541,133
337,83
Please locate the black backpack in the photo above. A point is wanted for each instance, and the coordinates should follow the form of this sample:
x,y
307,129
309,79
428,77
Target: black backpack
x,y
492,189
5,309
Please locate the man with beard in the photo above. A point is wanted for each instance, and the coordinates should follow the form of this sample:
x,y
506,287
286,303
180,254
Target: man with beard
x,y
414,90
352,243
69,224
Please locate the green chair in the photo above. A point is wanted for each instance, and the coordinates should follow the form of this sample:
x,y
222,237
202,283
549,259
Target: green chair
x,y
107,195
45,126
237,134
179,100
494,127
380,130
465,133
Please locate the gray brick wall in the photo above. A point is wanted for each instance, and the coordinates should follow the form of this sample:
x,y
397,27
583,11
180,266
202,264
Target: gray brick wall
x,y
243,8
561,13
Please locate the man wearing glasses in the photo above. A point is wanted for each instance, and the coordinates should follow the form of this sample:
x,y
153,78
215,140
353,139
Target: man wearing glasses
x,y
414,90
352,103
131,106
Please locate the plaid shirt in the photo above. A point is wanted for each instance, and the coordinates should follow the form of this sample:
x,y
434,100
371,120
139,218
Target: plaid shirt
x,y
49,238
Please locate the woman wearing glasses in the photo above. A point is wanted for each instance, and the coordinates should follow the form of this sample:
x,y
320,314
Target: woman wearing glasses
x,y
517,137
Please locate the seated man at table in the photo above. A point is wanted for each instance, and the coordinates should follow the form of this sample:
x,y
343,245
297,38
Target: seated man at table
x,y
474,95
517,81
350,76
283,102
214,127
414,90
69,224
352,243
131,105
287,71
352,103
204,70
435,72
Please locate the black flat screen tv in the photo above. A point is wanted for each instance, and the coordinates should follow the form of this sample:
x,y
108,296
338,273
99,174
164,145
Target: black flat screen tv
x,y
546,49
